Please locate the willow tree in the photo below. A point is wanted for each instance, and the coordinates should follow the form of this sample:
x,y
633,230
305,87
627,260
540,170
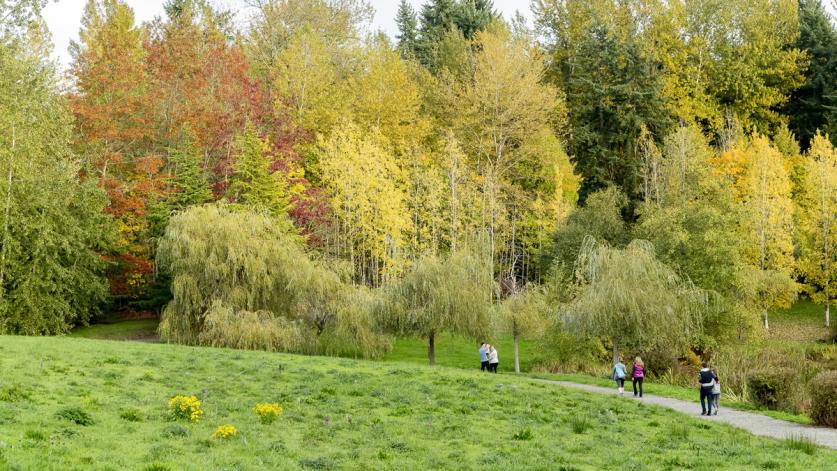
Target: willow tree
x,y
241,280
440,295
524,314
818,223
635,300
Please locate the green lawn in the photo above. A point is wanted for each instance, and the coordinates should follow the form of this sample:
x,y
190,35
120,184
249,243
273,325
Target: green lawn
x,y
338,414
802,322
458,352
143,329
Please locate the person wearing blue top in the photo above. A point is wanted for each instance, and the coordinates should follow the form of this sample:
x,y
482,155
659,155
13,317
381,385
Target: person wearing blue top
x,y
619,374
483,356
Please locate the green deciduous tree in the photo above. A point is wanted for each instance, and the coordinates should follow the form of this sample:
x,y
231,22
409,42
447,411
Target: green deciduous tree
x,y
630,297
52,222
525,314
440,295
239,280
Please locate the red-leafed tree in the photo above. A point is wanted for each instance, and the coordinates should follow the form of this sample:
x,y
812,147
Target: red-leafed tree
x,y
114,133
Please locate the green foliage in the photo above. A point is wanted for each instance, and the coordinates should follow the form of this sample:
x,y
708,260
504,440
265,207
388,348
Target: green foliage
x,y
437,295
824,398
813,106
600,218
630,297
240,280
439,19
253,183
52,221
75,415
776,388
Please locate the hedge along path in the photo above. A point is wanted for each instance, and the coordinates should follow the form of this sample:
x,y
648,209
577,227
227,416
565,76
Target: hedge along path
x,y
756,424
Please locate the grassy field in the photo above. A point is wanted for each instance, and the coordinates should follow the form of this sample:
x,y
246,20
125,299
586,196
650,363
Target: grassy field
x,y
802,322
458,352
70,404
143,329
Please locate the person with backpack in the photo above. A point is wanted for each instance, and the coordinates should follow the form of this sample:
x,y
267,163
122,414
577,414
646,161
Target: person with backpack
x,y
638,375
716,392
619,374
707,379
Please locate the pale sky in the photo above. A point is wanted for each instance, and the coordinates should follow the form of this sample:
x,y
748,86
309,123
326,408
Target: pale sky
x,y
64,16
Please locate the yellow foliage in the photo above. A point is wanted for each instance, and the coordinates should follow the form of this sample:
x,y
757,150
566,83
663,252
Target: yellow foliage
x,y
185,407
224,432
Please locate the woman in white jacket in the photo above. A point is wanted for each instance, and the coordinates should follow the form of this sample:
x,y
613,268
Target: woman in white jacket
x,y
493,361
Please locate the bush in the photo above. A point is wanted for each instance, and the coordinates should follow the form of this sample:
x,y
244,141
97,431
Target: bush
x,y
268,412
75,415
185,407
776,388
224,432
824,398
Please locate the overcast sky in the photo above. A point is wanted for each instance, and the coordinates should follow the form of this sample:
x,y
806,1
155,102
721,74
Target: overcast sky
x,y
64,16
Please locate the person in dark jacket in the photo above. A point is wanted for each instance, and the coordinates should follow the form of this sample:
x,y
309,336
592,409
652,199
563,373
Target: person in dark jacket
x,y
707,379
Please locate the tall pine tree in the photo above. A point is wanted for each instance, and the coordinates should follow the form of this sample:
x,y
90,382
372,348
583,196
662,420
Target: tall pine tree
x,y
814,105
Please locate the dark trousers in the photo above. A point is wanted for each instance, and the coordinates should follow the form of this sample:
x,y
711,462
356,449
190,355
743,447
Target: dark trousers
x,y
638,380
484,366
706,400
493,367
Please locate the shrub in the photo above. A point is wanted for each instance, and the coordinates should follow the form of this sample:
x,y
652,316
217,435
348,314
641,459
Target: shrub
x,y
268,412
775,388
75,415
13,393
185,407
824,398
131,415
524,435
224,432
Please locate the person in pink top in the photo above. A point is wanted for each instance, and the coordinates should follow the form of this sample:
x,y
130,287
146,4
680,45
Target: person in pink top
x,y
638,375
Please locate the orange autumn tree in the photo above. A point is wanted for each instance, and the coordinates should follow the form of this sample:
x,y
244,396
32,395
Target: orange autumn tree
x,y
114,134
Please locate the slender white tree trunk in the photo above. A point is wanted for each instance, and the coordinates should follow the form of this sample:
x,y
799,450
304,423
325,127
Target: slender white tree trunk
x,y
766,322
827,313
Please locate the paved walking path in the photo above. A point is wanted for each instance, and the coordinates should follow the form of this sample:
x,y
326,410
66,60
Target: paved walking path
x,y
757,424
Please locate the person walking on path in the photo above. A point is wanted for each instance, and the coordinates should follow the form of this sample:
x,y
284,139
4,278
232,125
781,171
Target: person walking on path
x,y
619,374
716,392
706,378
493,360
483,356
638,375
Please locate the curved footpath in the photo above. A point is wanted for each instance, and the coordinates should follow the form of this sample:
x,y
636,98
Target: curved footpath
x,y
756,424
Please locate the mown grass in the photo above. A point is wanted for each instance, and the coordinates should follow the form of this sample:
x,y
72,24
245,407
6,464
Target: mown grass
x,y
141,329
803,322
458,352
76,404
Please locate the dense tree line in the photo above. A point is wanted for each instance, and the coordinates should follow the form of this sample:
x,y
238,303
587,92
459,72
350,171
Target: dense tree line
x,y
305,184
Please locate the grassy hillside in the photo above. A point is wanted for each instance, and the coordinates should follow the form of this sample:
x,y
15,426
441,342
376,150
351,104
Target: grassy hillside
x,y
338,414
